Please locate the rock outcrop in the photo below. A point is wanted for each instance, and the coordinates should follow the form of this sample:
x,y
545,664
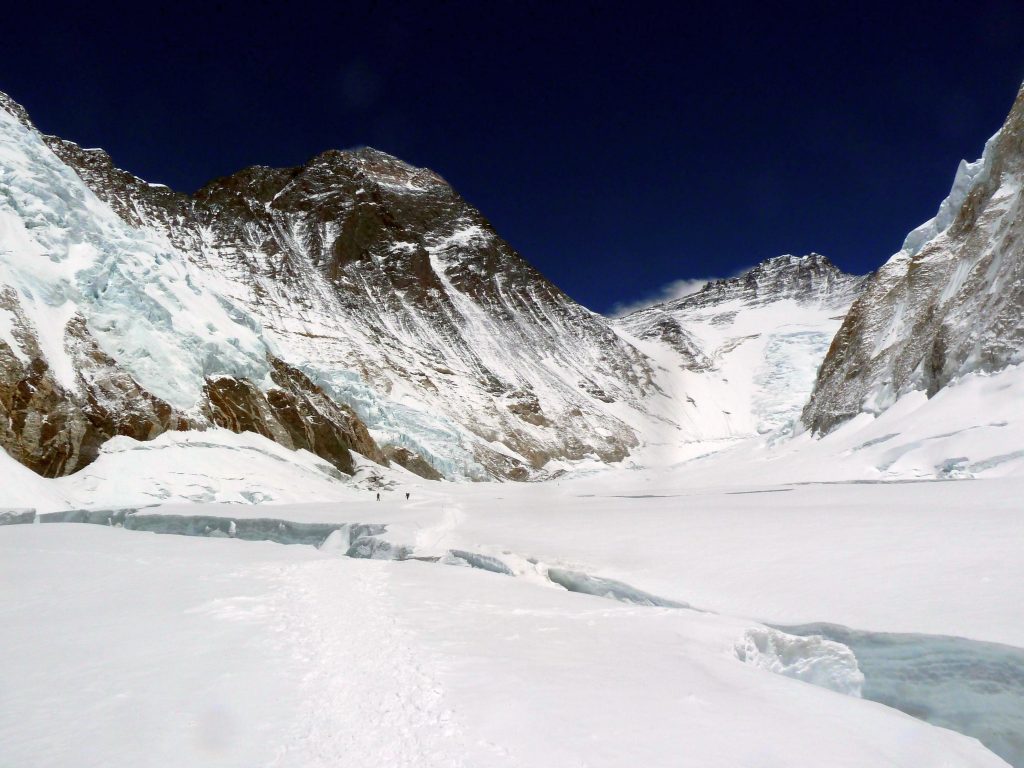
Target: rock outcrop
x,y
55,430
395,299
951,302
101,327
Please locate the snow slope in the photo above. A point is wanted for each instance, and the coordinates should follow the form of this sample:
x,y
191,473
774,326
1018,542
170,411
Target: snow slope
x,y
738,358
261,654
972,428
214,465
21,488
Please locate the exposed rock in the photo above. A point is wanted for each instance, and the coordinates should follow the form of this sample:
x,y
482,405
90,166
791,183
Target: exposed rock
x,y
413,462
297,414
949,303
377,280
55,431
810,279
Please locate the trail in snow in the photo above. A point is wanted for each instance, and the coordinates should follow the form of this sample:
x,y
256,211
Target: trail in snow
x,y
358,661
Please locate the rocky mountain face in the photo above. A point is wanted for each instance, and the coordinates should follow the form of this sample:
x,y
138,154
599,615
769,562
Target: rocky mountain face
x,y
105,331
951,302
745,350
808,281
355,302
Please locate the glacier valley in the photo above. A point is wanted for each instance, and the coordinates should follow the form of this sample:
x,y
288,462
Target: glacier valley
x,y
312,468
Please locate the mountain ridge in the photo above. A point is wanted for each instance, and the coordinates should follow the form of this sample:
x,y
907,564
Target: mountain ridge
x,y
949,303
387,293
743,351
359,303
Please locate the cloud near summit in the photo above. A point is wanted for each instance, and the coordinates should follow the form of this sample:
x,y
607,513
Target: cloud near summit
x,y
677,289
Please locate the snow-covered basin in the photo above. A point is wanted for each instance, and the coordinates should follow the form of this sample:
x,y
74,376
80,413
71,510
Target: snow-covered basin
x,y
933,562
927,557
128,648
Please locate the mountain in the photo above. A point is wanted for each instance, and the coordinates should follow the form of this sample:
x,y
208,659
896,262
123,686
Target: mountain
x,y
950,303
358,305
353,303
106,330
739,356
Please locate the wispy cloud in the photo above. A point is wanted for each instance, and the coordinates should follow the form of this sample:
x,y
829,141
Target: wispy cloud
x,y
674,290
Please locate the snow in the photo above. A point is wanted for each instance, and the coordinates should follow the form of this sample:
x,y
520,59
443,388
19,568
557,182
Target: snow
x,y
763,362
216,651
936,556
21,488
812,659
65,252
296,656
719,532
736,360
210,466
971,428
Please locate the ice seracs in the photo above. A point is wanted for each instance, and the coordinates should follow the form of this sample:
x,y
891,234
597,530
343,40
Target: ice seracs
x,y
108,329
388,292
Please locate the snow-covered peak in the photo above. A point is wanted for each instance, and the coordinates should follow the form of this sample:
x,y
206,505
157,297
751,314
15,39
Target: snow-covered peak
x,y
393,297
810,279
741,354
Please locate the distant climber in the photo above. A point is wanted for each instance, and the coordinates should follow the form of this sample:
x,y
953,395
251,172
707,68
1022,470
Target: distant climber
x,y
378,497
406,495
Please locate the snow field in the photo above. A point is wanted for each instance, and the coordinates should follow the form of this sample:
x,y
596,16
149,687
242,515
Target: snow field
x,y
225,652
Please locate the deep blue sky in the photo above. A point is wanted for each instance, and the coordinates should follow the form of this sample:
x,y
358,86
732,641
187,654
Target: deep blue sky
x,y
618,147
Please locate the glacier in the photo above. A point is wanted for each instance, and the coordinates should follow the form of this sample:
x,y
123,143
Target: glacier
x,y
65,252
